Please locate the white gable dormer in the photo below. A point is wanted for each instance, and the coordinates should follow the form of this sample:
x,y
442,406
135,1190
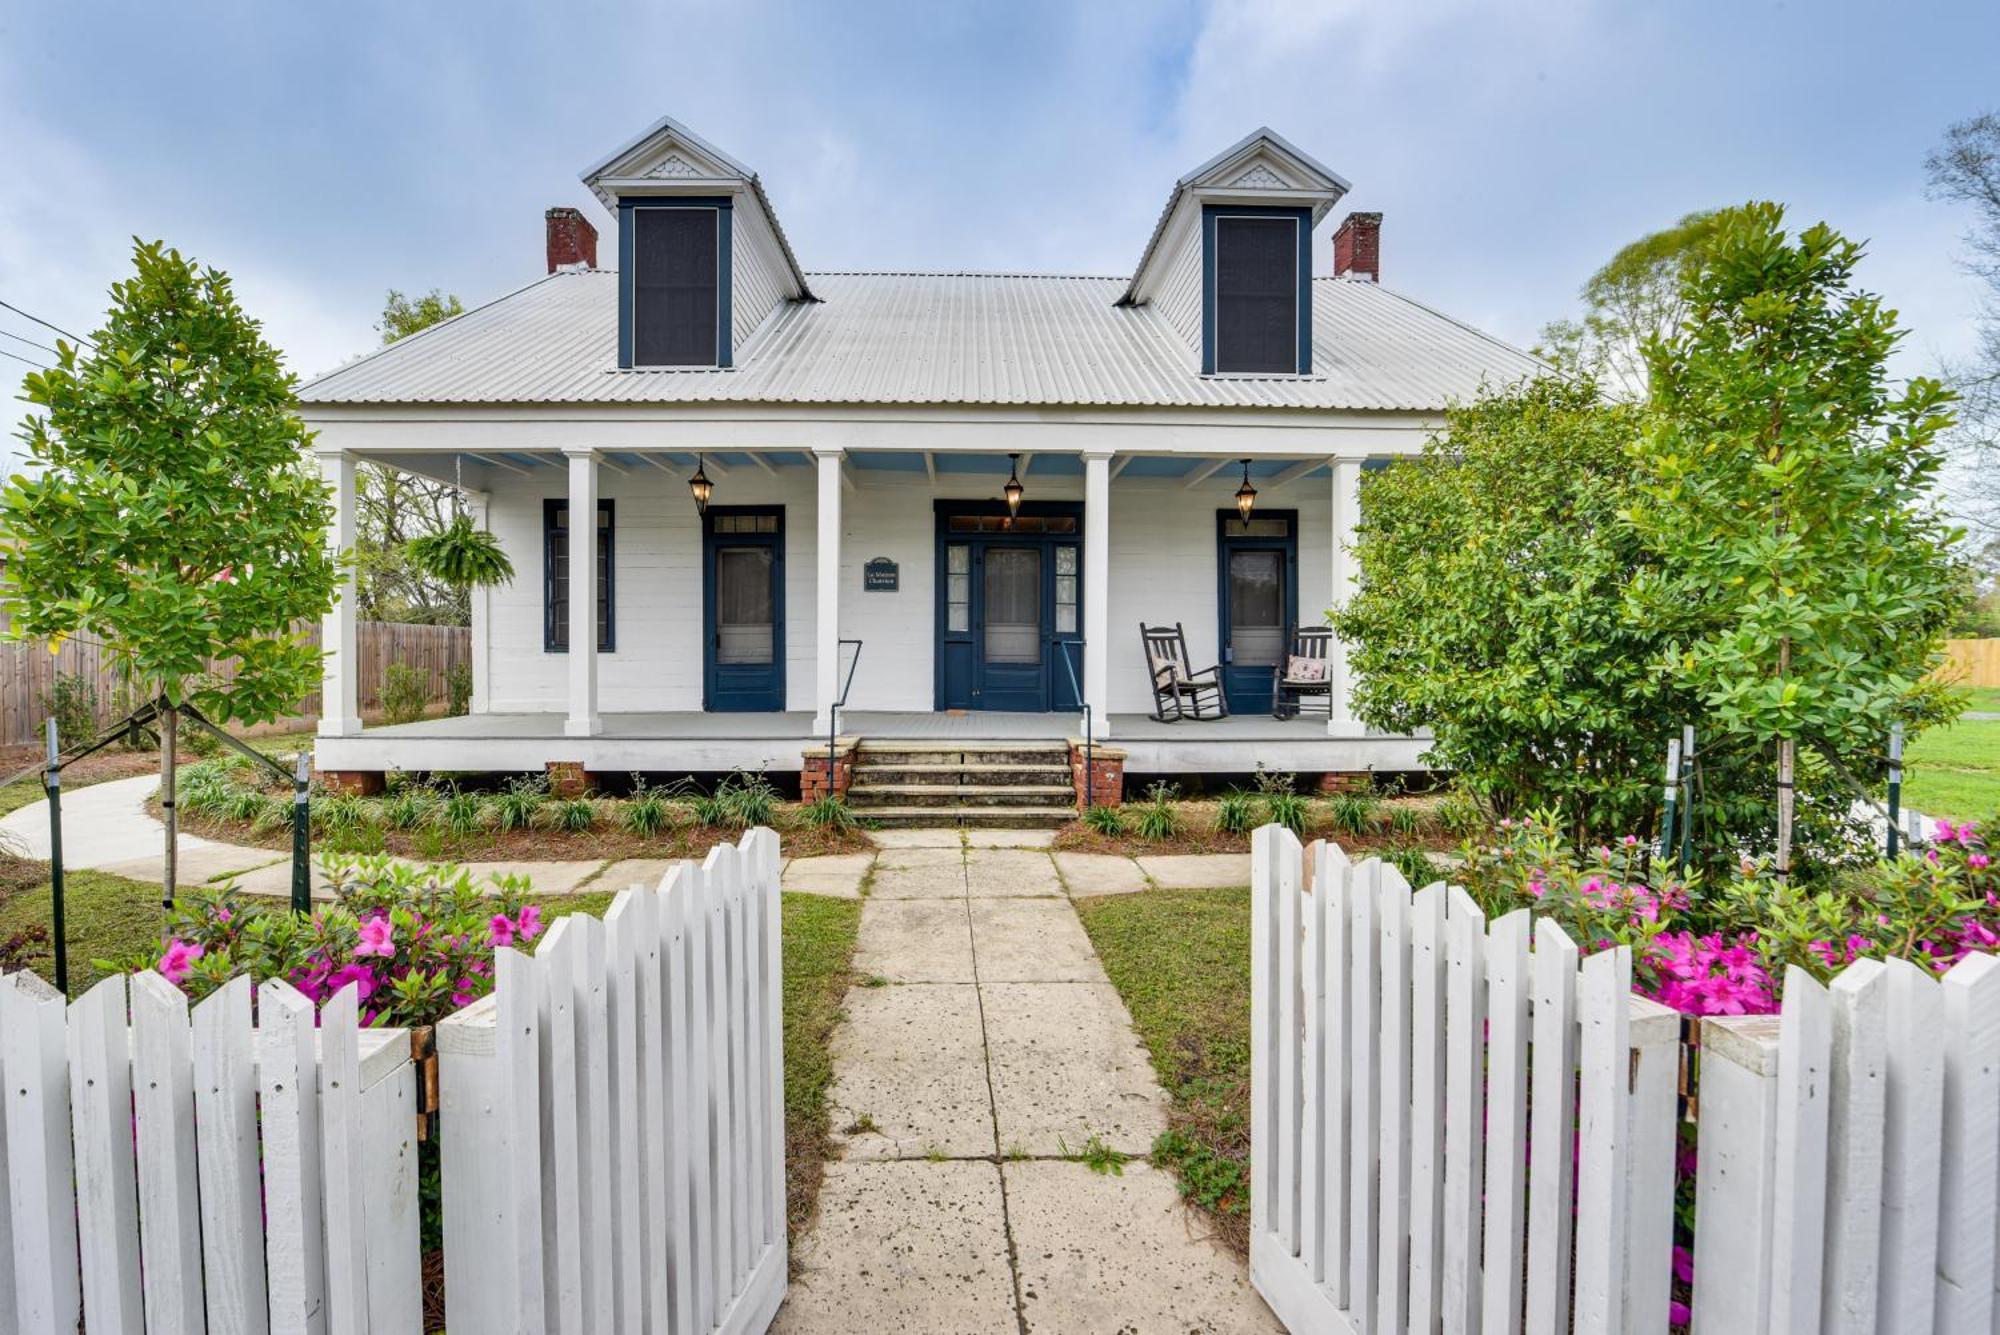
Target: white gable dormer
x,y
1229,264
702,261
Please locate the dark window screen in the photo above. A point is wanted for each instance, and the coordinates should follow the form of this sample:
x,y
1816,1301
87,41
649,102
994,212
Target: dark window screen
x,y
1256,294
673,287
555,577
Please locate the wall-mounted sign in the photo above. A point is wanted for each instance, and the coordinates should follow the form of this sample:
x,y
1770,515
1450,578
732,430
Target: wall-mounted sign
x,y
880,575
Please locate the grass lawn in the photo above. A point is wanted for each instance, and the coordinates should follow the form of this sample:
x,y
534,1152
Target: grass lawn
x,y
1984,699
1955,771
117,763
111,917
1181,961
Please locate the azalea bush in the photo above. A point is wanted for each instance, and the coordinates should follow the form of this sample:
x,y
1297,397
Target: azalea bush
x,y
416,941
1723,948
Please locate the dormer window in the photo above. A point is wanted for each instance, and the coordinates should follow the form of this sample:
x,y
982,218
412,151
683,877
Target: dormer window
x,y
674,290
1258,291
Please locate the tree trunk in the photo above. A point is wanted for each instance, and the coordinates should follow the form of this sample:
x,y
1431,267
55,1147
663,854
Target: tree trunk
x,y
169,721
1787,752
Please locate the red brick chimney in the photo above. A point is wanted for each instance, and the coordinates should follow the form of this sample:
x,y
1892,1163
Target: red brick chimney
x,y
572,240
1357,247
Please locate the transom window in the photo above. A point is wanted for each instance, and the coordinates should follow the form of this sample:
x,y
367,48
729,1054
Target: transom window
x,y
764,523
1258,290
1010,523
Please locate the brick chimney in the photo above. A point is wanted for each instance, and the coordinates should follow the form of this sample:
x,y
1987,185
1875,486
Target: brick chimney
x,y
572,240
1357,247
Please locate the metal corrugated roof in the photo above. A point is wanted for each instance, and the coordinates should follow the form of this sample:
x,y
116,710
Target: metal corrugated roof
x,y
929,338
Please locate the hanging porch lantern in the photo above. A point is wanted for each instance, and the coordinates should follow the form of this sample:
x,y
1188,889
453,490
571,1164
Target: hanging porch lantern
x,y
1013,489
1246,495
701,487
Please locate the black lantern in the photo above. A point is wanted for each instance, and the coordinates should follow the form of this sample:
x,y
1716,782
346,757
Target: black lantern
x,y
1013,489
701,487
1246,495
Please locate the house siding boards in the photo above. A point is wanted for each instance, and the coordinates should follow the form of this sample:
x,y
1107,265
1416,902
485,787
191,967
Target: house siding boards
x,y
1179,302
756,274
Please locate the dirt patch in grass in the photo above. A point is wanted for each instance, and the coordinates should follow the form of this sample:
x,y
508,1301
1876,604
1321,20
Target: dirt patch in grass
x,y
1181,961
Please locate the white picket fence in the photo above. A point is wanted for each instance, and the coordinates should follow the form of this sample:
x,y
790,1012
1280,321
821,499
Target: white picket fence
x,y
614,1138
262,1177
1410,1062
1849,1156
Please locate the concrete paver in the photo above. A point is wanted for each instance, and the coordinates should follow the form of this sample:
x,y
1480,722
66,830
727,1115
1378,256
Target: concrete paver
x,y
1066,1066
909,1061
1120,1253
908,1248
915,941
838,875
193,865
1032,941
903,859
1099,873
1010,838
544,878
1010,872
1195,871
936,882
628,872
938,838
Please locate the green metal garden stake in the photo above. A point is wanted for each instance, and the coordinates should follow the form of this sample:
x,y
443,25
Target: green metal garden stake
x,y
1895,784
1672,792
302,834
52,780
1686,853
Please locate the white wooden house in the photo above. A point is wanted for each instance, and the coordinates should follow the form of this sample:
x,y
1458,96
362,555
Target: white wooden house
x,y
857,432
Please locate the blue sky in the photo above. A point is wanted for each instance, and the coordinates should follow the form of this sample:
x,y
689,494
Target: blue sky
x,y
326,152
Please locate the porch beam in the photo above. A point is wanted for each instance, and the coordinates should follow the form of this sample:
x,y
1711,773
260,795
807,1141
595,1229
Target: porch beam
x,y
619,469
1296,471
1022,464
583,720
659,463
340,679
1097,588
1203,471
930,467
763,463
498,463
1346,515
1118,464
712,465
830,461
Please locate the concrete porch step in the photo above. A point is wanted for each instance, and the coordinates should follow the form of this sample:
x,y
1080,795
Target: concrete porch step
x,y
975,755
952,775
864,796
1005,818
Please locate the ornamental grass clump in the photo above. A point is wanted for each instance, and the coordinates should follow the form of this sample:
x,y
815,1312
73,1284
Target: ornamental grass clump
x,y
1235,812
830,812
517,804
648,811
1159,815
417,942
1104,820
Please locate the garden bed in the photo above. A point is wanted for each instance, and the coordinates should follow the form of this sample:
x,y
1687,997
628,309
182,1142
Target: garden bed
x,y
1397,829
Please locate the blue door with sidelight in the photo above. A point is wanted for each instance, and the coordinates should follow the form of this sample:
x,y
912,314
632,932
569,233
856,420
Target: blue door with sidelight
x,y
1257,568
1009,607
743,608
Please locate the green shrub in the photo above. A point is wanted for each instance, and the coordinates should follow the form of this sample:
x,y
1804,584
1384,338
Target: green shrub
x,y
647,811
830,812
71,701
340,813
458,689
1104,820
1235,812
406,690
411,807
460,812
1159,815
515,806
573,815
1352,813
1459,814
1287,809
1413,862
243,804
199,741
1406,822
738,802
272,813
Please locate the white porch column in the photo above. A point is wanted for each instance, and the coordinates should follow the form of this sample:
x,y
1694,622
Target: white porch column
x,y
340,679
583,720
1097,588
479,504
1346,513
826,622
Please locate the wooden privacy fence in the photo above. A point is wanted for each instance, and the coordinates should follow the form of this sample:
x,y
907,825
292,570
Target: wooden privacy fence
x,y
613,1116
262,1177
1849,1156
1409,1062
28,671
1972,662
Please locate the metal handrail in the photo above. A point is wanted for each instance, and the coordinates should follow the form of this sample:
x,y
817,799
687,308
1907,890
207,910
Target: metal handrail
x,y
833,710
1089,727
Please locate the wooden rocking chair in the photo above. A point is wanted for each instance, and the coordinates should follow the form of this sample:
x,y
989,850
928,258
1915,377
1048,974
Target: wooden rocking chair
x,y
1305,670
1179,690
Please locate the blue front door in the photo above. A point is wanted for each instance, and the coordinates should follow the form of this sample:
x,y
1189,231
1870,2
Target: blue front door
x,y
1258,595
1009,615
743,608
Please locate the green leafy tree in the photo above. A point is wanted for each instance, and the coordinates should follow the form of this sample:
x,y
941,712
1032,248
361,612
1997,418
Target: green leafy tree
x,y
1639,295
1489,610
1965,169
1804,572
403,316
171,513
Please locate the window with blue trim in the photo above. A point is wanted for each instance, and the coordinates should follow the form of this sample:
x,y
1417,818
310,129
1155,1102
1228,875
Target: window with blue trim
x,y
674,289
555,578
1257,291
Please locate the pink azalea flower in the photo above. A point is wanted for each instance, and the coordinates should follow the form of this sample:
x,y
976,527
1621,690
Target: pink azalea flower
x,y
378,937
1978,861
529,924
500,930
360,975
178,961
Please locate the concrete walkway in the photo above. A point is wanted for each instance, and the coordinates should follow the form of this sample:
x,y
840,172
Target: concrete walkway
x,y
983,1050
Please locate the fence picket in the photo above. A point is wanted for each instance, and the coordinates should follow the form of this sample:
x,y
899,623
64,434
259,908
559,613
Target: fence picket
x,y
1464,1119
772,1020
389,1204
288,1101
655,1129
1968,1233
1604,1049
1427,1088
1798,1216
1856,1107
41,1194
1364,889
1508,986
562,1177
686,1197
621,931
1288,1054
745,1186
1914,1116
163,1115
1332,872
594,1119
1393,1231
107,1186
1552,1131
1655,1126
343,1181
227,1162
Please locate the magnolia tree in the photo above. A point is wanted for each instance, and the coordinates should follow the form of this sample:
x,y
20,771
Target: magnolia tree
x,y
169,511
1804,571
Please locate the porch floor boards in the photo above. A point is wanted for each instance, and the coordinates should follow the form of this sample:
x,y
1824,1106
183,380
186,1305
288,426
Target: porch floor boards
x,y
872,725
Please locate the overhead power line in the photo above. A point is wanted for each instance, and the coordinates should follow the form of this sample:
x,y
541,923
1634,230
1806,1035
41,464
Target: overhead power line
x,y
45,324
39,366
4,333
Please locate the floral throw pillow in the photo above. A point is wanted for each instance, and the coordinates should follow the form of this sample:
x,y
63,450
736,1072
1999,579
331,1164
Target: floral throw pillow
x,y
1305,669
